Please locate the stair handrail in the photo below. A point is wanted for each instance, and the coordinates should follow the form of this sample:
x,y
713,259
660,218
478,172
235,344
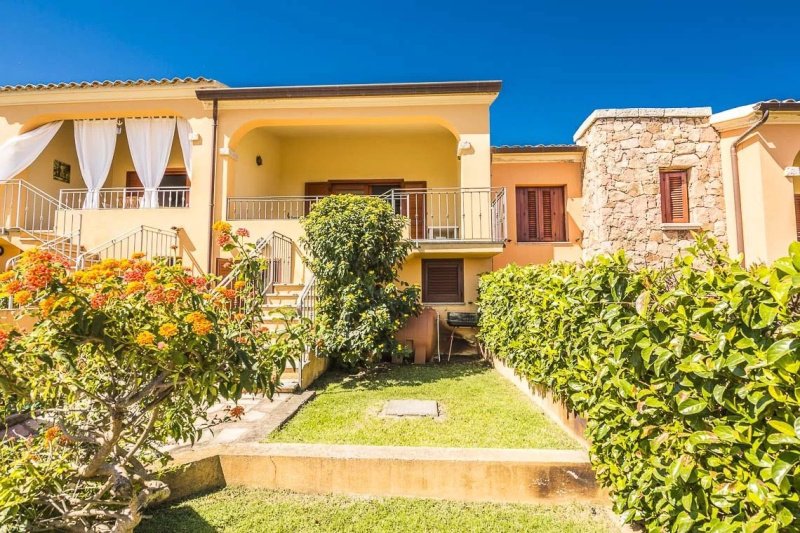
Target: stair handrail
x,y
172,235
51,245
71,223
307,299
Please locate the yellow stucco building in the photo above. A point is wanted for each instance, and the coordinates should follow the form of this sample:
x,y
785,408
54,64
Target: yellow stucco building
x,y
100,169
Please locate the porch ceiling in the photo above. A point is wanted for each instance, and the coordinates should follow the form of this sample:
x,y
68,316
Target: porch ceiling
x,y
325,130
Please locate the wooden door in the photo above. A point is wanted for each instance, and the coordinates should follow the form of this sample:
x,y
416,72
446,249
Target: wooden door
x,y
414,208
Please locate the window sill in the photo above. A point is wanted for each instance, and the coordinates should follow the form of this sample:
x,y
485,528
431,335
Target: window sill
x,y
429,304
546,243
681,226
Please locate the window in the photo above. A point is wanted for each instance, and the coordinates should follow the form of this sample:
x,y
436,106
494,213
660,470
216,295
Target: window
x,y
797,214
675,196
443,280
541,214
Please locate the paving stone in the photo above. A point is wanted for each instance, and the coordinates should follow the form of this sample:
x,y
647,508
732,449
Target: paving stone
x,y
411,408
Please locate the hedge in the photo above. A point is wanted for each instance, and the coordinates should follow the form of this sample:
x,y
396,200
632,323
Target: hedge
x,y
687,375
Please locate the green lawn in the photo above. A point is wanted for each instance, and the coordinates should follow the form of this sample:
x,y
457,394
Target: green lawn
x,y
481,410
254,511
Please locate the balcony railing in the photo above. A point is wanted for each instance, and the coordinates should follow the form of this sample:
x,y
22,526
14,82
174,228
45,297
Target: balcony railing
x,y
124,198
445,214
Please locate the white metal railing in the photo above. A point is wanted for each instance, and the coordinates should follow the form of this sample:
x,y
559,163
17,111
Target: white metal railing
x,y
270,207
27,208
278,252
443,214
125,197
307,300
63,246
154,243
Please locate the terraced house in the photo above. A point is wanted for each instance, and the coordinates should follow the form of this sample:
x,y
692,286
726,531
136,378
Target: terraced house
x,y
101,169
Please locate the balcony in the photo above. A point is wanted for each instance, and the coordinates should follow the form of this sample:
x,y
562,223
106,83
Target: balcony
x,y
443,215
124,198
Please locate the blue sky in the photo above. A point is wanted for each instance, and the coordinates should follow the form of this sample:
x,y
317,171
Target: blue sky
x,y
559,60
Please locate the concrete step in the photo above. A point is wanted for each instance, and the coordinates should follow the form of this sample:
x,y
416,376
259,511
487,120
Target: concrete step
x,y
282,297
288,287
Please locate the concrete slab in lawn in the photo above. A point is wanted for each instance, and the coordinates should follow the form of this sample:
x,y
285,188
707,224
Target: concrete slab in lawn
x,y
405,408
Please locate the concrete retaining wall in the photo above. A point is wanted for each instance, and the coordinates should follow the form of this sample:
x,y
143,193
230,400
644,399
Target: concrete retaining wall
x,y
462,474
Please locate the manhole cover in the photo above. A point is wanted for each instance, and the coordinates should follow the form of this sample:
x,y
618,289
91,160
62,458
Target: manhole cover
x,y
427,408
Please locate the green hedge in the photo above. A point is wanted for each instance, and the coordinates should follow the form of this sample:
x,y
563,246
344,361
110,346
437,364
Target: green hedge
x,y
688,377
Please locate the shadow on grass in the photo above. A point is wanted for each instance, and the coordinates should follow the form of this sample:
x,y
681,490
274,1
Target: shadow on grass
x,y
386,375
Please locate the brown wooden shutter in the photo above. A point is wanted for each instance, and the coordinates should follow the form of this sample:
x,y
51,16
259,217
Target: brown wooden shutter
x,y
797,214
540,214
443,280
316,188
675,196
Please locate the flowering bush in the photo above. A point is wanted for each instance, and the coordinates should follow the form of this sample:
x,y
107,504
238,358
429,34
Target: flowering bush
x,y
125,356
356,248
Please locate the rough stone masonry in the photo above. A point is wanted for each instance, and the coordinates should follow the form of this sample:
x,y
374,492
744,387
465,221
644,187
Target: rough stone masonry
x,y
625,151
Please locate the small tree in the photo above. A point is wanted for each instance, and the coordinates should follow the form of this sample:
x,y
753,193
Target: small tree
x,y
125,356
356,248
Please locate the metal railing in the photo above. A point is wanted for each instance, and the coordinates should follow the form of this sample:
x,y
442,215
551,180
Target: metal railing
x,y
278,252
63,246
27,208
124,197
307,300
154,243
443,214
270,207
452,214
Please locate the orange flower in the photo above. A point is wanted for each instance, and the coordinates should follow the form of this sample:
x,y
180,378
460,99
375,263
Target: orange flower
x,y
22,297
3,339
98,300
202,326
134,286
12,286
46,305
221,226
237,411
242,232
145,338
137,255
168,330
224,239
239,285
7,275
194,316
51,434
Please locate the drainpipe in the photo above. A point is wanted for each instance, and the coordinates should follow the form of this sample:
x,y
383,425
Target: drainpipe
x,y
737,193
215,116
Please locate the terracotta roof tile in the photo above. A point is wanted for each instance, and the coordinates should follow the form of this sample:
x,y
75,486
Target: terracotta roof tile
x,y
108,83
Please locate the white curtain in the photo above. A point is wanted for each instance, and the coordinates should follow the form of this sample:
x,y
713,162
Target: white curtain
x,y
95,141
17,153
150,141
184,130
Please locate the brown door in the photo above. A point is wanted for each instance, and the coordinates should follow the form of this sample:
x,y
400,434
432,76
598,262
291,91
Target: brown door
x,y
413,206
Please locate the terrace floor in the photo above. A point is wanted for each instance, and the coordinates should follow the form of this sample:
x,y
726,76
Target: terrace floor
x,y
478,408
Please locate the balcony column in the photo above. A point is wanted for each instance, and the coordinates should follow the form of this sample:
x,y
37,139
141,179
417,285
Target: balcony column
x,y
474,151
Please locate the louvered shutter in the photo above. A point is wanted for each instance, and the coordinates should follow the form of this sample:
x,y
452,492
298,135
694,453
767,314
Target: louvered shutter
x,y
675,196
443,280
797,214
540,214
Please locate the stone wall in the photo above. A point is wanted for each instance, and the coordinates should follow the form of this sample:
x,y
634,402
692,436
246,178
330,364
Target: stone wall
x,y
625,151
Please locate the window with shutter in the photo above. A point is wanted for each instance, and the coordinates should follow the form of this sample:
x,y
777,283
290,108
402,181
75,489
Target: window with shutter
x,y
443,280
797,214
541,214
675,196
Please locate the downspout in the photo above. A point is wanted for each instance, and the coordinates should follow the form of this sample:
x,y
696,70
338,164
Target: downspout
x,y
215,116
737,193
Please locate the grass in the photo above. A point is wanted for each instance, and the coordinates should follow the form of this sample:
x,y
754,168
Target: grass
x,y
481,410
255,510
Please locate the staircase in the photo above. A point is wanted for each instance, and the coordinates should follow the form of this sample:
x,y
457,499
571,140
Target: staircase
x,y
285,298
29,217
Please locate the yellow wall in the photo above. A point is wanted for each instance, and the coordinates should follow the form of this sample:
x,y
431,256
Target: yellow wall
x,y
62,147
533,173
767,195
288,162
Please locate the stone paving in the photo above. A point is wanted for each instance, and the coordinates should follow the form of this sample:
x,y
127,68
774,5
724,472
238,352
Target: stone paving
x,y
261,417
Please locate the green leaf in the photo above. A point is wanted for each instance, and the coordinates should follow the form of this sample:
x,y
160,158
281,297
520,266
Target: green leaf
x,y
779,349
783,464
691,406
783,427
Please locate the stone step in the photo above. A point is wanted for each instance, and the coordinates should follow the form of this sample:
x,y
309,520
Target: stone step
x,y
282,297
288,287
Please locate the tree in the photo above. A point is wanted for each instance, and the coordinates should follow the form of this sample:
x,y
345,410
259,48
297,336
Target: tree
x,y
125,356
356,248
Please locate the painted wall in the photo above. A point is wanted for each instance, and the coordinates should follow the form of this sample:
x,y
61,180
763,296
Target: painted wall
x,y
288,162
767,195
26,110
535,173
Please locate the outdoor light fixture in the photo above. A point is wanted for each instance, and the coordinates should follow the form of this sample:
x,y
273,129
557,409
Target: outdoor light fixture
x,y
119,127
464,147
259,161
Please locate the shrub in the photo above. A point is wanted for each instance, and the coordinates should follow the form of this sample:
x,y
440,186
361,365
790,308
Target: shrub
x,y
356,248
124,357
688,377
